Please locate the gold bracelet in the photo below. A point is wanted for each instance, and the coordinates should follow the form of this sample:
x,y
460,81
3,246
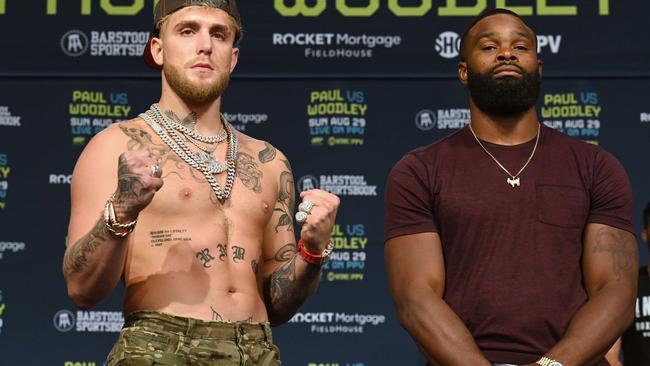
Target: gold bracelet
x,y
111,223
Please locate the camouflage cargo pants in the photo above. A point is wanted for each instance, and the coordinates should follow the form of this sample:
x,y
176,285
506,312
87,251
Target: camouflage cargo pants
x,y
153,338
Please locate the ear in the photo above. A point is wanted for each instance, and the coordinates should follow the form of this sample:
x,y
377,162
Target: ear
x,y
462,72
234,58
157,51
644,235
540,65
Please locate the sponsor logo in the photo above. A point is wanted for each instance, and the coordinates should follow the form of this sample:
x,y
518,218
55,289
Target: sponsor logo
x,y
6,119
75,43
348,260
448,45
644,117
64,321
332,322
13,247
425,120
576,114
342,185
80,363
5,170
293,8
3,307
335,364
241,120
337,117
91,111
89,321
60,178
308,182
442,119
337,45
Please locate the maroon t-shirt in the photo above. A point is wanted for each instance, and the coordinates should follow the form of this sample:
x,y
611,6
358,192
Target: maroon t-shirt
x,y
512,255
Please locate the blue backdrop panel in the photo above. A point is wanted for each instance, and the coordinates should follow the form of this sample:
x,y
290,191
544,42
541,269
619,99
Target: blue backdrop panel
x,y
340,135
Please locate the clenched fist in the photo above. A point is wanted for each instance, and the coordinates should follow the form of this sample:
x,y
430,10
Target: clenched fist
x,y
317,227
139,178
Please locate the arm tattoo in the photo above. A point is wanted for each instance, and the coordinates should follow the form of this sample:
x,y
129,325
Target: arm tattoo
x,y
286,201
287,164
75,259
248,172
268,154
284,292
619,246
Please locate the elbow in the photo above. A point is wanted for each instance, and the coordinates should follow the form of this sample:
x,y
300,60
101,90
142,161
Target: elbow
x,y
81,298
405,314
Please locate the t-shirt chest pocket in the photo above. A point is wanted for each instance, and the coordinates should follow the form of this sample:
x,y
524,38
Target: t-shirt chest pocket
x,y
561,205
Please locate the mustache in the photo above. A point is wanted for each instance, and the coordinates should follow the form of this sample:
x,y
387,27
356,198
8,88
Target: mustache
x,y
521,69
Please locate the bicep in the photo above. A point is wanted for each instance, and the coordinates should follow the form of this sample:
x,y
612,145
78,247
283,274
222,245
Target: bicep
x,y
415,262
610,255
94,179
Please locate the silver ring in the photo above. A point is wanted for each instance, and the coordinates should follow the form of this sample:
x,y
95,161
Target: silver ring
x,y
301,217
155,170
306,206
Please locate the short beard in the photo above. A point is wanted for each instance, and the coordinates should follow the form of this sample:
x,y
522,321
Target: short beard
x,y
506,96
193,94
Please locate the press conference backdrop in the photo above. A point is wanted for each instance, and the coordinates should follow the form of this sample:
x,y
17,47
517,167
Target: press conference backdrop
x,y
343,88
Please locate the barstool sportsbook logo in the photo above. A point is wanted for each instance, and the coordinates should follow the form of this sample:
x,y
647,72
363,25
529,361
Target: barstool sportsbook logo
x,y
88,321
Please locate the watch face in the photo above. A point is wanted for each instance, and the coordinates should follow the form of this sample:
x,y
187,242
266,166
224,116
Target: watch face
x,y
555,363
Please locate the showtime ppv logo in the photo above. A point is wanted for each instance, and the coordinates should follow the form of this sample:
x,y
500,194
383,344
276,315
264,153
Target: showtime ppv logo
x,y
293,8
447,44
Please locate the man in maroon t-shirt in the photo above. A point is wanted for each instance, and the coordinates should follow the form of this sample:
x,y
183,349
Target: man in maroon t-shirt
x,y
508,242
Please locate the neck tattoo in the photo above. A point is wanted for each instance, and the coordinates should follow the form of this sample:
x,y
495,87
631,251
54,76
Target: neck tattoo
x,y
513,179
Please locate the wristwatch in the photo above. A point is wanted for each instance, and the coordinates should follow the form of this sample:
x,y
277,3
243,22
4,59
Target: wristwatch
x,y
545,361
316,259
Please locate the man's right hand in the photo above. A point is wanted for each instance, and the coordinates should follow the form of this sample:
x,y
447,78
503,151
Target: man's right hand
x,y
137,184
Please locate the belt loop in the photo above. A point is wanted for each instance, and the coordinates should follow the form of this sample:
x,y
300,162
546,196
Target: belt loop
x,y
190,327
267,332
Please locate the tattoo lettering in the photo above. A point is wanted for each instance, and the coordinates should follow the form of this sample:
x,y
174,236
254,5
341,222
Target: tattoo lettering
x,y
615,243
255,266
75,259
286,201
238,253
268,154
249,320
205,257
162,237
216,316
248,172
223,251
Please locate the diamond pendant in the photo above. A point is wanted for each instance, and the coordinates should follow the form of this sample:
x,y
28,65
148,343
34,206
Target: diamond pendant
x,y
212,165
514,182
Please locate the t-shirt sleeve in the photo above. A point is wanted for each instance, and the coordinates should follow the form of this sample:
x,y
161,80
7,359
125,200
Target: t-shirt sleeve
x,y
408,200
611,194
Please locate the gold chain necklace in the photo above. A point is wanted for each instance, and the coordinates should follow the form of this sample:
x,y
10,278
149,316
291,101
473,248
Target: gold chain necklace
x,y
513,180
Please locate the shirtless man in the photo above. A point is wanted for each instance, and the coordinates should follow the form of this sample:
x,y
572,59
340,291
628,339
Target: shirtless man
x,y
199,218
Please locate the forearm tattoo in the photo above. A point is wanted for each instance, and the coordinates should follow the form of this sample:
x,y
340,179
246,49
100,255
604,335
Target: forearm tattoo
x,y
620,246
268,154
248,172
75,260
284,291
286,201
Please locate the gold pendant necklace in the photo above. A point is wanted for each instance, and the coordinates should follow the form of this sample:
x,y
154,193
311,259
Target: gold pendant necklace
x,y
513,179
